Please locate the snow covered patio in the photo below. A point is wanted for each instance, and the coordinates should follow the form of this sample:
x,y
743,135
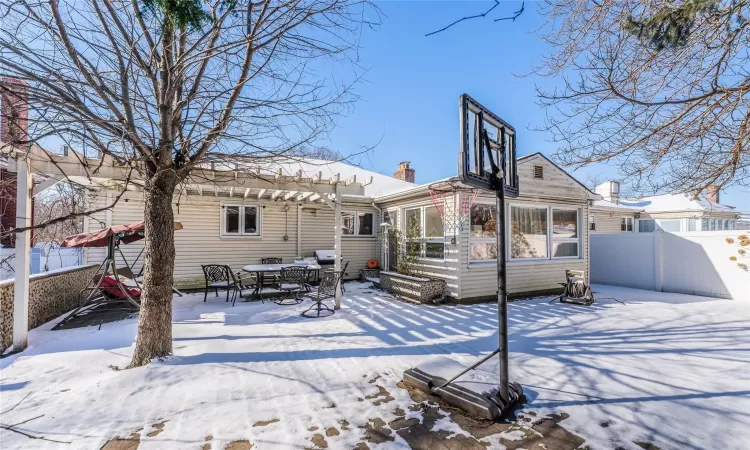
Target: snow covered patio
x,y
668,370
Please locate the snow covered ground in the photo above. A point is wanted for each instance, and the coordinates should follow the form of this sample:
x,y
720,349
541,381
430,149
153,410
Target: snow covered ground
x,y
668,369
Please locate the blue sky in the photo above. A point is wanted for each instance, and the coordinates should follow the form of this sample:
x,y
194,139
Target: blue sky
x,y
409,96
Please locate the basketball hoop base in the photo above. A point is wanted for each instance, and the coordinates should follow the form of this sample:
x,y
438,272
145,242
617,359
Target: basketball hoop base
x,y
475,391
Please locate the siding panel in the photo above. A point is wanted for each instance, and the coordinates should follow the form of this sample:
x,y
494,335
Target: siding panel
x,y
199,242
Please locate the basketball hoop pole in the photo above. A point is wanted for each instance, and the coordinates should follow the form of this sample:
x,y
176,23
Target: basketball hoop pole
x,y
445,377
502,296
497,183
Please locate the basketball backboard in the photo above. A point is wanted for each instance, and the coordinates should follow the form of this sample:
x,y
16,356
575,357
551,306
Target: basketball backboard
x,y
474,165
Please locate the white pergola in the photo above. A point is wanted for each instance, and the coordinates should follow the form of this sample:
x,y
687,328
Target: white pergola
x,y
50,168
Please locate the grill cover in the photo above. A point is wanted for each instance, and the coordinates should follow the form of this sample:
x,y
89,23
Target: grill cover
x,y
325,257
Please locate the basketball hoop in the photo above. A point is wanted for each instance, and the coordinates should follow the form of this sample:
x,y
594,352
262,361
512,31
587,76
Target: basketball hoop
x,y
453,201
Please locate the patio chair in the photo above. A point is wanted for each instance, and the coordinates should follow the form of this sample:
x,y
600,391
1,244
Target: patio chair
x,y
343,274
292,280
269,279
575,289
326,289
221,276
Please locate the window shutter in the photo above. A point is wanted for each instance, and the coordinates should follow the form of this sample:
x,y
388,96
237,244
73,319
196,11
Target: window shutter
x,y
539,172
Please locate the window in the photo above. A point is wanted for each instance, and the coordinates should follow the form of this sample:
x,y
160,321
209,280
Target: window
x,y
425,222
347,223
713,224
646,225
704,225
726,224
241,220
669,225
731,224
357,223
532,236
565,233
626,224
482,234
528,232
592,222
389,217
691,224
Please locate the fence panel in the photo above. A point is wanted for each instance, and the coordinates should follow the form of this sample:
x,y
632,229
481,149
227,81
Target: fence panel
x,y
42,260
690,263
623,259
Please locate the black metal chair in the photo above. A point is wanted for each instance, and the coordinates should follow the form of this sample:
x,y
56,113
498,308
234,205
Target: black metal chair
x,y
292,280
269,279
343,274
221,276
326,289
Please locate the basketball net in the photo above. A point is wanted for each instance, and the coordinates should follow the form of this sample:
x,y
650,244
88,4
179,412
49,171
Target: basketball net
x,y
453,202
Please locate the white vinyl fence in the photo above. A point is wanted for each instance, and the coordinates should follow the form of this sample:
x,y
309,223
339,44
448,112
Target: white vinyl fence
x,y
690,263
42,260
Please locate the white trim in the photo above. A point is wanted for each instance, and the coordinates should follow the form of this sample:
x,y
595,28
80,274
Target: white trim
x,y
626,217
561,240
241,220
483,264
550,219
355,224
422,206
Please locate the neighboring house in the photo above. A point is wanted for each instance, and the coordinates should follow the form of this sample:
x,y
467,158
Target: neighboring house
x,y
546,231
669,212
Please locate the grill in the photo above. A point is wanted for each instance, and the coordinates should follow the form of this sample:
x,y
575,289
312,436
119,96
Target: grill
x,y
326,258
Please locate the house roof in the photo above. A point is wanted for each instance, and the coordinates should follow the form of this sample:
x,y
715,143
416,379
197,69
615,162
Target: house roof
x,y
413,189
604,204
675,202
381,184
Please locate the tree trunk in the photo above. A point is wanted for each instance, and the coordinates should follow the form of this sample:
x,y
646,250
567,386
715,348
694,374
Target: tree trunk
x,y
154,338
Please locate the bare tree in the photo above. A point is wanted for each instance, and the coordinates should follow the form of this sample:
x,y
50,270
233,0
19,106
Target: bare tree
x,y
659,88
58,213
166,86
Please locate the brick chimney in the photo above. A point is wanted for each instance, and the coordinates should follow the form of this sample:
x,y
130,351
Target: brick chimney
x,y
712,194
14,127
14,111
404,172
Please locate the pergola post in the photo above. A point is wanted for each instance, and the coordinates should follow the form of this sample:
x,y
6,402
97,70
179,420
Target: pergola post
x,y
23,248
337,245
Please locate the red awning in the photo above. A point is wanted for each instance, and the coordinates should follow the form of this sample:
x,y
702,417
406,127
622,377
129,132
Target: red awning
x,y
127,233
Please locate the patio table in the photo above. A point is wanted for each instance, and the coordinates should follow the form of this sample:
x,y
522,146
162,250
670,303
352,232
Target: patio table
x,y
258,269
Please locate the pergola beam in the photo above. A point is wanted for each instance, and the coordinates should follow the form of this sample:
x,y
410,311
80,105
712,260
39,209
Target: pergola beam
x,y
304,195
97,171
261,193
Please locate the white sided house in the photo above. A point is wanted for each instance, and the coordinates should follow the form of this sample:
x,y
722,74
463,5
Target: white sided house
x,y
546,227
669,212
238,226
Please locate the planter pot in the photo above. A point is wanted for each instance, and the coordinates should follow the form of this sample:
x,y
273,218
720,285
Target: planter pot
x,y
364,274
414,289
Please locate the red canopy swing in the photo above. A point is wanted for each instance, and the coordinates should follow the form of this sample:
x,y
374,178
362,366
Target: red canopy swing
x,y
106,285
